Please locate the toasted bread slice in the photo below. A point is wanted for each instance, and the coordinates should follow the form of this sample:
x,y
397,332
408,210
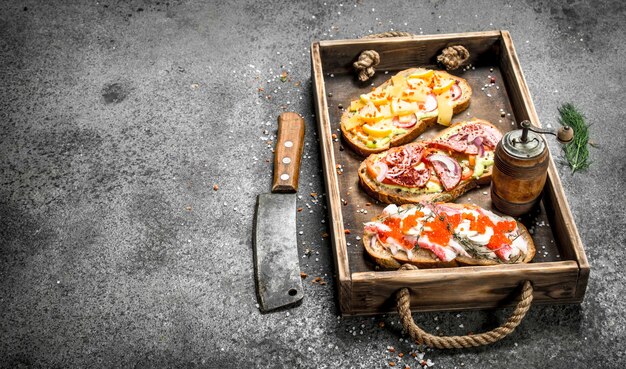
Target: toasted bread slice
x,y
423,123
405,195
424,258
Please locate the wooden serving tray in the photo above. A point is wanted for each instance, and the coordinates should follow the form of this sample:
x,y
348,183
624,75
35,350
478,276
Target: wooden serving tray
x,y
559,272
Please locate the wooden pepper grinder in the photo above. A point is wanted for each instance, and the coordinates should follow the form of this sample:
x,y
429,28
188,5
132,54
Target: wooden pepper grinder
x,y
521,167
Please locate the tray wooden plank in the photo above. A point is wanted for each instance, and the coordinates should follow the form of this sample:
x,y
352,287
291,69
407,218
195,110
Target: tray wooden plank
x,y
464,288
331,184
560,269
399,53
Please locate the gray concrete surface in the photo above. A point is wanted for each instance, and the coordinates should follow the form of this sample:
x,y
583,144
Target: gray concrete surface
x,y
117,118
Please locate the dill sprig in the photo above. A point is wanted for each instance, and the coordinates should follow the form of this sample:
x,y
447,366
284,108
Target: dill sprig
x,y
576,152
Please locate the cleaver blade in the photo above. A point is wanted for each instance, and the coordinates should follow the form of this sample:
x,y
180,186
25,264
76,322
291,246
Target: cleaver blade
x,y
277,268
276,252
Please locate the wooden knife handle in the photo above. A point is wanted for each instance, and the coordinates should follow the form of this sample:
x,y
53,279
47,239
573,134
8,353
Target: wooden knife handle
x,y
288,152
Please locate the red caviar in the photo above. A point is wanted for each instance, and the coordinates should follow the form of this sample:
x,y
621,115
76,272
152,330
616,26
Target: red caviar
x,y
441,228
396,232
411,221
499,237
480,225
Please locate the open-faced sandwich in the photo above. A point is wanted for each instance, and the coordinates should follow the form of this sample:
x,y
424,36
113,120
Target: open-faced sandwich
x,y
444,235
455,161
400,109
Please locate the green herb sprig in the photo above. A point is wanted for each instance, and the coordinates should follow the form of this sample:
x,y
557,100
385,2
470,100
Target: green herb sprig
x,y
577,151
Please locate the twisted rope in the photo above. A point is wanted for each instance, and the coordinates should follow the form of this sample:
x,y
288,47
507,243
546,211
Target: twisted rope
x,y
368,59
403,300
453,56
390,34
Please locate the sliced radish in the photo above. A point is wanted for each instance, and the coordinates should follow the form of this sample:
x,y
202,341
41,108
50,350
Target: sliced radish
x,y
431,103
408,124
456,91
381,169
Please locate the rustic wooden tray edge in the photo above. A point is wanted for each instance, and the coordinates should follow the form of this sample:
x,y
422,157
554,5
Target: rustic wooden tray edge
x,y
369,292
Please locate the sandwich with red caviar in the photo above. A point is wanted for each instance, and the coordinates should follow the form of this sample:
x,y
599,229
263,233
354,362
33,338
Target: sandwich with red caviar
x,y
445,235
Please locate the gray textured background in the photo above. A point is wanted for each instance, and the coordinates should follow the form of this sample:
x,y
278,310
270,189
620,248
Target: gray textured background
x,y
117,118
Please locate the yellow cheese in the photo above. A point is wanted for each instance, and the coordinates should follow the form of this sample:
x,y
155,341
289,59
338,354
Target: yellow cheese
x,y
422,73
377,97
444,108
353,122
356,105
414,95
378,130
400,107
398,80
372,114
395,92
443,86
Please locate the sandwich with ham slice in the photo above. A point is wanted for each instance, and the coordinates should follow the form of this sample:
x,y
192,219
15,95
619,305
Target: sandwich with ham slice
x,y
438,170
432,235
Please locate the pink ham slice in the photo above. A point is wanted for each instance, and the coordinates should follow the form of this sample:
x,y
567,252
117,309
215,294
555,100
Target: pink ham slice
x,y
448,170
492,137
402,163
463,140
503,252
489,136
443,253
452,143
408,177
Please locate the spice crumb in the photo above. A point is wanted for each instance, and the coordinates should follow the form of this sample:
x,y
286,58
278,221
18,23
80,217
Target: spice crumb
x,y
391,363
346,231
303,275
216,187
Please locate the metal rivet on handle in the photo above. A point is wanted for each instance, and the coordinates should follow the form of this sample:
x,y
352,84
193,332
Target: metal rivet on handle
x,y
288,144
286,160
284,176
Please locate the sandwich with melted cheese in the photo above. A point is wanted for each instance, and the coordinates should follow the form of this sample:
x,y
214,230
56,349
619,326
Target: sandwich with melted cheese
x,y
400,109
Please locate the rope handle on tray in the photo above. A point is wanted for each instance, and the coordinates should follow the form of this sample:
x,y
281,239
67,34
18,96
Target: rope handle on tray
x,y
403,300
451,57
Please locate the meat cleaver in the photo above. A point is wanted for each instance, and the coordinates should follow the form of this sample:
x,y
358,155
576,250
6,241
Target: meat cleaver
x,y
275,240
